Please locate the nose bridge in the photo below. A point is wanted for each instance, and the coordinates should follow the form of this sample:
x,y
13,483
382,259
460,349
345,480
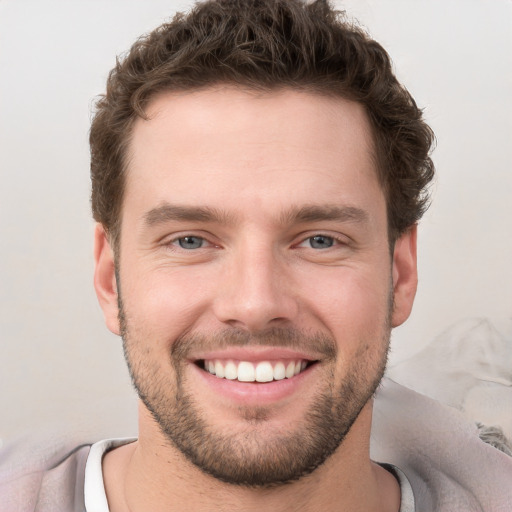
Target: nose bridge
x,y
254,292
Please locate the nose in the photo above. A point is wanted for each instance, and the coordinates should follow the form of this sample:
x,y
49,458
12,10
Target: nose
x,y
256,291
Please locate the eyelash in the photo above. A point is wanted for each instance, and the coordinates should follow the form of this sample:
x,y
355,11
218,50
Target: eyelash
x,y
175,242
335,240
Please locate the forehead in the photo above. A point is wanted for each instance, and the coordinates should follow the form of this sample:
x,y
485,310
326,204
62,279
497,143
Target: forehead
x,y
264,148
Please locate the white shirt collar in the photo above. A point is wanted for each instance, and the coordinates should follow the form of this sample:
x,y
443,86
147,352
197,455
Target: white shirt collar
x,y
96,497
94,488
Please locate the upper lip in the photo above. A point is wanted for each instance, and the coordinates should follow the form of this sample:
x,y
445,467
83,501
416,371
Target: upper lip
x,y
255,354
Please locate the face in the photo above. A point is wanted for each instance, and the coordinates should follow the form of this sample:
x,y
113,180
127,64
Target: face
x,y
256,286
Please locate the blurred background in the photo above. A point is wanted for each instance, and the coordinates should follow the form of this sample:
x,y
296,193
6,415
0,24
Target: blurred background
x,y
58,363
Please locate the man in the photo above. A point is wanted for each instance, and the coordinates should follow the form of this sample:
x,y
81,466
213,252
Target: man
x,y
257,177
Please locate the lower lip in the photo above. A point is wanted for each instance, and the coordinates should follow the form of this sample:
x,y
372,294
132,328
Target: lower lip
x,y
254,393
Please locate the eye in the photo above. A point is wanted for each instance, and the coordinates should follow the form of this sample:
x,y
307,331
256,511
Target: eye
x,y
320,241
190,242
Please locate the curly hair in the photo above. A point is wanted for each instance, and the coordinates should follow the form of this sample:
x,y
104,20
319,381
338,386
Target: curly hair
x,y
265,45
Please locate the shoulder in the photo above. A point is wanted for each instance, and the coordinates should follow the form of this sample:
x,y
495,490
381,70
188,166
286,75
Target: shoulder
x,y
44,475
449,467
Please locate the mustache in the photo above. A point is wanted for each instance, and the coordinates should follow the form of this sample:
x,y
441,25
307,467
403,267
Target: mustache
x,y
280,337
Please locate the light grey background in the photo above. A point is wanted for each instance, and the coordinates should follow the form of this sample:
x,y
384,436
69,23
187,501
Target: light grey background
x,y
58,363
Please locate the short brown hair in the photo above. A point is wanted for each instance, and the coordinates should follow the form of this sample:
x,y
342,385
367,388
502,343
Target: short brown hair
x,y
265,45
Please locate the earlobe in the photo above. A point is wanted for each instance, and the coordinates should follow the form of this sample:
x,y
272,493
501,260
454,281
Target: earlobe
x,y
105,278
405,276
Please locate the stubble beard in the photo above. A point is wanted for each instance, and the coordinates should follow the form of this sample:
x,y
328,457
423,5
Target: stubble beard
x,y
248,458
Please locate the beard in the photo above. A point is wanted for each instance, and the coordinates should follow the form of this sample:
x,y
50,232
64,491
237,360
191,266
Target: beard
x,y
256,455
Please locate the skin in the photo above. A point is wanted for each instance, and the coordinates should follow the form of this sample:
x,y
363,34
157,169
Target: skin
x,y
257,158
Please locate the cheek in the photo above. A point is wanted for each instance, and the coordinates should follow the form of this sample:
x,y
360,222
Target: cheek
x,y
357,314
355,306
161,305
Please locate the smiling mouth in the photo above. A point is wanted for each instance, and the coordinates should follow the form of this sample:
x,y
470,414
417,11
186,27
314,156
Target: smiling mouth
x,y
247,371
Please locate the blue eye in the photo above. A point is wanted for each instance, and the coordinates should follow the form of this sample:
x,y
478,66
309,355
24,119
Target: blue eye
x,y
321,241
190,242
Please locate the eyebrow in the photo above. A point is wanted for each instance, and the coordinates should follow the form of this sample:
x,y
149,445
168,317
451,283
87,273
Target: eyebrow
x,y
315,213
310,213
169,212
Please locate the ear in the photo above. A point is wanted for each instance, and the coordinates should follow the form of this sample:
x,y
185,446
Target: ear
x,y
405,276
105,279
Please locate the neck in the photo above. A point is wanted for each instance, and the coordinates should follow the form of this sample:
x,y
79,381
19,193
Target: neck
x,y
152,474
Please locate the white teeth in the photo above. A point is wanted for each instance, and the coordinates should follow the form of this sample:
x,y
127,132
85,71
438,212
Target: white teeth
x,y
230,371
246,371
264,372
279,371
219,369
290,370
